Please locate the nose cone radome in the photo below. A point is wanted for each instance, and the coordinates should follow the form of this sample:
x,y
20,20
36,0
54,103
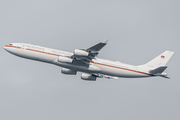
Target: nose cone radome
x,y
5,47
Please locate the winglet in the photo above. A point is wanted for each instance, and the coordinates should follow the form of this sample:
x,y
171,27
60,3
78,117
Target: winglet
x,y
105,41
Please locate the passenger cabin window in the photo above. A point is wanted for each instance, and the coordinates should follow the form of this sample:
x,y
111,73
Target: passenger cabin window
x,y
10,44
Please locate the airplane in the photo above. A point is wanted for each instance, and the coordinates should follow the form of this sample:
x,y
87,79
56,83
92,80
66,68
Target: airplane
x,y
87,62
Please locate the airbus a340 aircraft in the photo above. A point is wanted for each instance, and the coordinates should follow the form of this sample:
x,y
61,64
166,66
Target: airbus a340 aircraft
x,y
86,61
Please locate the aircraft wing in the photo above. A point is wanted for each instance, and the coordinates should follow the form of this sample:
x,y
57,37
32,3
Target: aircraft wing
x,y
86,55
104,76
97,47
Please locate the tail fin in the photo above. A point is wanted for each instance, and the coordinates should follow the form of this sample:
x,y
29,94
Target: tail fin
x,y
160,60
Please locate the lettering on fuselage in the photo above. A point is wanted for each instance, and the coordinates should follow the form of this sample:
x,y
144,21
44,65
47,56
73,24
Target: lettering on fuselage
x,y
46,50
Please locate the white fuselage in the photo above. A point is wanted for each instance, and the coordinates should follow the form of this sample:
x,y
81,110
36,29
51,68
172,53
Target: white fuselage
x,y
97,65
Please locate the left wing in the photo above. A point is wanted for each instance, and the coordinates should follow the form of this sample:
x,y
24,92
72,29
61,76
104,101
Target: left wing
x,y
104,76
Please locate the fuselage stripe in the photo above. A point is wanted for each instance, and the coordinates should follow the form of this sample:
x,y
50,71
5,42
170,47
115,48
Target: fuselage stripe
x,y
41,52
121,68
13,47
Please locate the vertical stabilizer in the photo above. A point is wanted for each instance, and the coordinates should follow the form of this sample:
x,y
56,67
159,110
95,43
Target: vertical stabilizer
x,y
160,60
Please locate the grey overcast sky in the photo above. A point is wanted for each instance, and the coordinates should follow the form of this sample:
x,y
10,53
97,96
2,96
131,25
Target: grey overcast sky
x,y
138,30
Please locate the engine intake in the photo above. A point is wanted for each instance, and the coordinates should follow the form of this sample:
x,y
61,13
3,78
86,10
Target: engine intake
x,y
81,52
68,71
89,77
65,59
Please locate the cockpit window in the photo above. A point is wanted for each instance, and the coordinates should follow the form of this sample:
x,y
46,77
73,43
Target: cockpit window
x,y
10,44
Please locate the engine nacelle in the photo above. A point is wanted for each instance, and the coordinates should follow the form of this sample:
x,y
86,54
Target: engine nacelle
x,y
68,71
65,59
80,52
89,77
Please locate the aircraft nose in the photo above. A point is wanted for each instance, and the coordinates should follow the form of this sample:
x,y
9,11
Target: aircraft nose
x,y
6,48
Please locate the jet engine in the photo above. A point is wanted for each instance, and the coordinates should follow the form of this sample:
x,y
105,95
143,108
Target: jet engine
x,y
89,77
68,71
65,59
81,52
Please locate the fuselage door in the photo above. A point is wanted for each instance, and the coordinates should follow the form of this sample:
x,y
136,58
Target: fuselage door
x,y
19,46
134,68
49,51
23,47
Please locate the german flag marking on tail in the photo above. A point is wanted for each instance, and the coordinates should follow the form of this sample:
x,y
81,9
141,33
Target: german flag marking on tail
x,y
162,57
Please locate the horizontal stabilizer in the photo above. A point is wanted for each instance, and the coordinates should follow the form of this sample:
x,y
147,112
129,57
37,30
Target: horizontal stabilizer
x,y
162,75
158,70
